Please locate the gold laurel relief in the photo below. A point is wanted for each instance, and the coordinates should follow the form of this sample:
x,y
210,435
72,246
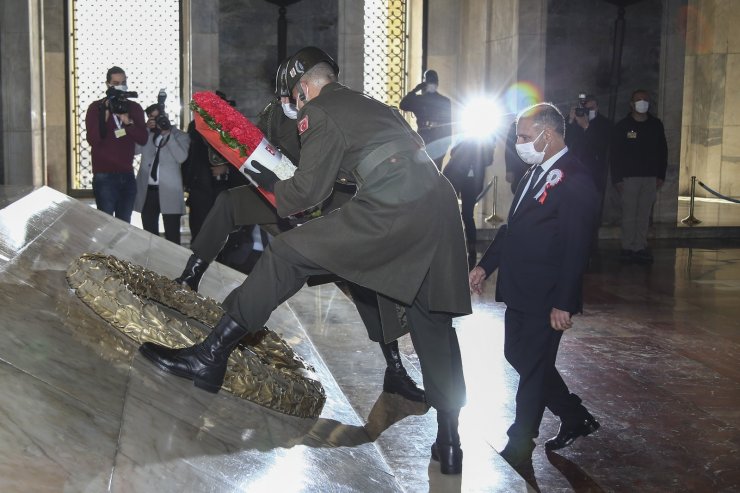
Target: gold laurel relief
x,y
263,369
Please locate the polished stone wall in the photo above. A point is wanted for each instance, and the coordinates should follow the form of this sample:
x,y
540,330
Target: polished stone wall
x,y
15,86
711,107
247,45
55,101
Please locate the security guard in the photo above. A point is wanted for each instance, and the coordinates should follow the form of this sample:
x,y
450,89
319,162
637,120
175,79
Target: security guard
x,y
433,114
243,206
400,236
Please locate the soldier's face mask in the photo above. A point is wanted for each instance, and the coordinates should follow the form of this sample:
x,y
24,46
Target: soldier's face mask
x,y
290,109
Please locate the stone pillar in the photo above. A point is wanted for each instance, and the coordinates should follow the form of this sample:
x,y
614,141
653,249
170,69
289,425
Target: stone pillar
x,y
57,154
16,89
711,111
670,98
351,43
204,53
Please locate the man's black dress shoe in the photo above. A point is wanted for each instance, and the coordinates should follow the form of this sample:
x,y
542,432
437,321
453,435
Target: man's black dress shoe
x,y
518,455
568,435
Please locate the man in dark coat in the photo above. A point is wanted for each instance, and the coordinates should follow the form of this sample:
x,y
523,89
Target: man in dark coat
x,y
466,171
541,255
400,236
205,174
433,113
639,159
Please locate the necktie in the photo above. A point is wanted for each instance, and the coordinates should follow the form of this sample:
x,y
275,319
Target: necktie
x,y
155,164
536,172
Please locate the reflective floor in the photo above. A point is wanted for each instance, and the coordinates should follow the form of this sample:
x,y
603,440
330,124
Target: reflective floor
x,y
655,359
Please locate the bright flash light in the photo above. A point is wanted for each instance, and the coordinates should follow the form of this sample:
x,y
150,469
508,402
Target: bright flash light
x,y
481,118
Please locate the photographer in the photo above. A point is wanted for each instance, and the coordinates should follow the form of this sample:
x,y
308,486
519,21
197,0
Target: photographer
x,y
159,182
587,136
114,126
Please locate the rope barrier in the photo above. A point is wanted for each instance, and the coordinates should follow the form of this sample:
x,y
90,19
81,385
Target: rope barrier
x,y
723,197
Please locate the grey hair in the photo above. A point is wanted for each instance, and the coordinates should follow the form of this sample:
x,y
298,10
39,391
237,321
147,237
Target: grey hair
x,y
321,73
544,115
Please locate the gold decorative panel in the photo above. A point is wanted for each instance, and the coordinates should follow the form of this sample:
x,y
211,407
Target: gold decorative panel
x,y
140,36
386,43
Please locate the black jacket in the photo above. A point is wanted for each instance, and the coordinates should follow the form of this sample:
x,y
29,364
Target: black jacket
x,y
542,252
638,149
591,145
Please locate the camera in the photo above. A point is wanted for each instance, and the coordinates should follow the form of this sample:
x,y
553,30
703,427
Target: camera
x,y
118,100
162,120
581,109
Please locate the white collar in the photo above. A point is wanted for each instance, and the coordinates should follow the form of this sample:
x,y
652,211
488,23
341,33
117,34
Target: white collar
x,y
548,164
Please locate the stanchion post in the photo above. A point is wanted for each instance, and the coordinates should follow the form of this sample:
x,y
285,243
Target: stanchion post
x,y
494,218
690,219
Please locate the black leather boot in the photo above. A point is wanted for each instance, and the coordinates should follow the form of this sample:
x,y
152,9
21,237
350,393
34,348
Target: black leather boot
x,y
396,380
446,450
193,272
204,363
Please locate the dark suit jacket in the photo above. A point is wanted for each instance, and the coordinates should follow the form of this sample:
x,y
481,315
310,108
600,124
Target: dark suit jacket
x,y
542,252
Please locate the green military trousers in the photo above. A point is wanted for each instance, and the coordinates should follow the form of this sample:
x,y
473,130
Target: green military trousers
x,y
236,207
282,271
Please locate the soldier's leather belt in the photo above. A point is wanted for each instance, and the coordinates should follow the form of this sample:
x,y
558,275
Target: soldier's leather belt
x,y
380,155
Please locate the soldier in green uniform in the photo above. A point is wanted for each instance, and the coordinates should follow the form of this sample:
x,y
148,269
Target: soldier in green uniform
x,y
243,206
400,236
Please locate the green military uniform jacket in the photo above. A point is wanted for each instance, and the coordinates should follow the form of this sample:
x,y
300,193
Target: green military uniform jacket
x,y
402,225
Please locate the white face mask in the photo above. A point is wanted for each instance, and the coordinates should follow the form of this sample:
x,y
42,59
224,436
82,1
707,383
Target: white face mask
x,y
529,154
290,110
591,114
641,106
431,88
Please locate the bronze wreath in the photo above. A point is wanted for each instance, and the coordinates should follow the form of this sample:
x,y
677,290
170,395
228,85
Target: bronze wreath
x,y
263,369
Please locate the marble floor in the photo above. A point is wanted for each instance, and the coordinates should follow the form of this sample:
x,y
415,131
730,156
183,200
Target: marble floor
x,y
654,357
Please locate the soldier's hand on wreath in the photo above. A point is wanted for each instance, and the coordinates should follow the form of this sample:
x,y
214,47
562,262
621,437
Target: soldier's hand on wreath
x,y
261,176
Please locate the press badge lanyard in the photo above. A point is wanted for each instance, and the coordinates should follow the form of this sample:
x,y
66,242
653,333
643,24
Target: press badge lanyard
x,y
120,131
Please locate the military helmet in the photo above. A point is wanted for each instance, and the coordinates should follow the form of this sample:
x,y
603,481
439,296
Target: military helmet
x,y
431,77
303,61
281,82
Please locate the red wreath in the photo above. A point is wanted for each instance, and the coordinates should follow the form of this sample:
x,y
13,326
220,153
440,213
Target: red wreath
x,y
226,130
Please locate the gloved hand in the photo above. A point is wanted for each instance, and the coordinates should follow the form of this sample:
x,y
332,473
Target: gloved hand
x,y
261,176
420,86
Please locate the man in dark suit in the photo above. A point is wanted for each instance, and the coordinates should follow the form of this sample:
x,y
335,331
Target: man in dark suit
x,y
541,255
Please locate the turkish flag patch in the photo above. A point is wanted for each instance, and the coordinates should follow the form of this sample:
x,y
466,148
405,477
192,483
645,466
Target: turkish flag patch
x,y
303,125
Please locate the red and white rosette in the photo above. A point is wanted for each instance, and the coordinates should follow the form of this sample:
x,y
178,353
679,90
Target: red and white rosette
x,y
554,176
237,139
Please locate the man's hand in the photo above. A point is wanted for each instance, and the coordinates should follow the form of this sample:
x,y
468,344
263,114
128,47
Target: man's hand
x,y
560,320
476,278
125,119
262,177
658,183
421,86
620,187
